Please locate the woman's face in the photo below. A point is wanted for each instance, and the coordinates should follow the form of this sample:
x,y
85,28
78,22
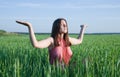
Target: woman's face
x,y
63,27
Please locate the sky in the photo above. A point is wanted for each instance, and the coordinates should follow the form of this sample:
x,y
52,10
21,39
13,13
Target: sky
x,y
101,16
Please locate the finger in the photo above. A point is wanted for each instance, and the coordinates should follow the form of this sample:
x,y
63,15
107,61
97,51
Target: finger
x,y
81,25
18,21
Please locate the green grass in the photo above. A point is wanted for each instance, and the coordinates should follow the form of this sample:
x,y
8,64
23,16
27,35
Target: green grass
x,y
97,56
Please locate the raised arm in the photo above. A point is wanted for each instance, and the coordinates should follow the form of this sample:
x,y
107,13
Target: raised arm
x,y
37,44
79,40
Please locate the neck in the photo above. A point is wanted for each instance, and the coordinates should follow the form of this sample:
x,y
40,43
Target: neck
x,y
61,35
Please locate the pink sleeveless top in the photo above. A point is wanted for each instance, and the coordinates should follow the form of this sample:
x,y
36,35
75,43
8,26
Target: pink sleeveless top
x,y
60,53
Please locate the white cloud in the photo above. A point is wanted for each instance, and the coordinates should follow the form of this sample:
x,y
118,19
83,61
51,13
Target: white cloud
x,y
66,5
31,5
103,6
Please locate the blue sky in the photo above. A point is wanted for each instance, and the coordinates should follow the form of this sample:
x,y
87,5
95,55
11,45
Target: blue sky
x,y
100,15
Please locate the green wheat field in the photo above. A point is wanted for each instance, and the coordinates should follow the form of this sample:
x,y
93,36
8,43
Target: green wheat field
x,y
97,56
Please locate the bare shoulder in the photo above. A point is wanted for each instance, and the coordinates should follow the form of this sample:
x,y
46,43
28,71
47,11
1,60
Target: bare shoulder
x,y
52,43
71,38
74,41
45,42
50,39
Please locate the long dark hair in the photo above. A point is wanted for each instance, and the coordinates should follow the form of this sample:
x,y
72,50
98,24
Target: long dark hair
x,y
56,31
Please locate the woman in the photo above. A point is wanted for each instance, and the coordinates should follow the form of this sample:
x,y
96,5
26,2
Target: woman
x,y
59,43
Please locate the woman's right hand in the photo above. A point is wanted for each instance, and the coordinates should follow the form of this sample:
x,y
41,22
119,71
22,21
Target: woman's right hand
x,y
83,26
24,23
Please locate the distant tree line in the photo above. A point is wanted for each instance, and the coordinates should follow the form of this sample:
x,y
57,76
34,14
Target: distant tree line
x,y
2,31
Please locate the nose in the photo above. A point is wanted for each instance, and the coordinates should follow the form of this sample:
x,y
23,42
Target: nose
x,y
64,26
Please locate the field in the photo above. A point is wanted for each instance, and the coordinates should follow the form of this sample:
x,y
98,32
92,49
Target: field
x,y
97,56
